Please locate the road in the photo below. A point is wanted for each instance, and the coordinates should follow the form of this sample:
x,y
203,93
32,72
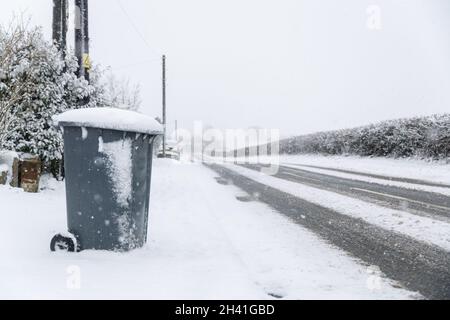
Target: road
x,y
416,265
414,201
377,176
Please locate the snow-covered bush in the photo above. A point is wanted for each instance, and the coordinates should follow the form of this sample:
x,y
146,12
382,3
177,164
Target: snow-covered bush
x,y
36,82
425,137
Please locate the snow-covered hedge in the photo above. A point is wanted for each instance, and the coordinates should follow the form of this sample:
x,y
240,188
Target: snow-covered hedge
x,y
425,137
36,82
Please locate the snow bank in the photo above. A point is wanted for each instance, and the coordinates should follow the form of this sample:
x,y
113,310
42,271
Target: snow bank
x,y
3,168
109,118
7,157
6,162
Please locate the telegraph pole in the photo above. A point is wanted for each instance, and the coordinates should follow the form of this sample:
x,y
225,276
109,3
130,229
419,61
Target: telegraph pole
x,y
64,26
86,57
79,36
82,38
164,103
57,22
59,26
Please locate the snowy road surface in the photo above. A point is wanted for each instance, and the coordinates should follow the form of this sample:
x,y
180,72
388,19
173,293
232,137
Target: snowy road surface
x,y
401,227
204,244
418,199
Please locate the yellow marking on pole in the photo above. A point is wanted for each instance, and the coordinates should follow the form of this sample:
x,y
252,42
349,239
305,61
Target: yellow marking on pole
x,y
87,62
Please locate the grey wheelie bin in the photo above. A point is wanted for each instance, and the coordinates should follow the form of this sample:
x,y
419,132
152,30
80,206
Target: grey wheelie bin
x,y
108,164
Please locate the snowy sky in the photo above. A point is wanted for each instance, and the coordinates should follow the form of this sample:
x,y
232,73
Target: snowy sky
x,y
296,65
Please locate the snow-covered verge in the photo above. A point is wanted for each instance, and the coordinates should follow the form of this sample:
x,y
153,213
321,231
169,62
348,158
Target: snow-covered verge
x,y
6,162
434,171
204,244
382,181
437,172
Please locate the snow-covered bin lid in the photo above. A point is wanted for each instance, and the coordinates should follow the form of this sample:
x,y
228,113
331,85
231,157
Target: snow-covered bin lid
x,y
109,118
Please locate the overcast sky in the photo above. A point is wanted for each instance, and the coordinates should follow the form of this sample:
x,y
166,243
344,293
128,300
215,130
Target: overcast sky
x,y
297,65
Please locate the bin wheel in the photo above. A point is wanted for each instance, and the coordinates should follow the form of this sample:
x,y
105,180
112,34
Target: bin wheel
x,y
63,243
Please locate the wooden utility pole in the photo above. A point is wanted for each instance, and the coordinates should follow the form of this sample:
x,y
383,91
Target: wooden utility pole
x,y
164,103
59,26
79,36
82,38
64,25
86,57
57,22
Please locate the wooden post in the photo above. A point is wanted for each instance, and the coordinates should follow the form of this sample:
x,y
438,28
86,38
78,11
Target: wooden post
x,y
30,174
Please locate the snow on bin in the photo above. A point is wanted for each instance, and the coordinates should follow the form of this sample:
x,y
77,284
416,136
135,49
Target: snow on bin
x,y
108,162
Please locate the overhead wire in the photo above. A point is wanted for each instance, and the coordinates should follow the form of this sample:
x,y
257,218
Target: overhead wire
x,y
137,30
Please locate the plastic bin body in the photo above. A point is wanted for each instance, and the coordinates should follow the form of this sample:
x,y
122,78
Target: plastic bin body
x,y
108,178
